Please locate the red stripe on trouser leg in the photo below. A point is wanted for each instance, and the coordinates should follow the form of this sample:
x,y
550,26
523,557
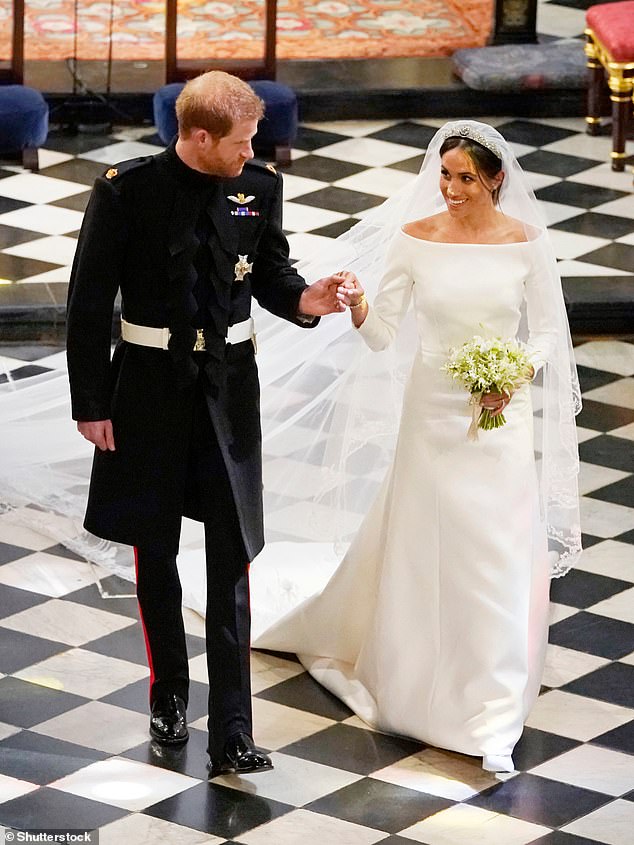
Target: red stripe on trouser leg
x,y
145,636
249,595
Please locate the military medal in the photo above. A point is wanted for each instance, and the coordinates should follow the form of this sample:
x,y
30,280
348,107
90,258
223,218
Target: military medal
x,y
240,199
243,209
242,268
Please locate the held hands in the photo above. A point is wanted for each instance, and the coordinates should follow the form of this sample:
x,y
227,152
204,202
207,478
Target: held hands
x,y
352,295
323,296
98,432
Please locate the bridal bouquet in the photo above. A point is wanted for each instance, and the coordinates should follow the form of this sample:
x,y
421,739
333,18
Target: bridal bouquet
x,y
488,366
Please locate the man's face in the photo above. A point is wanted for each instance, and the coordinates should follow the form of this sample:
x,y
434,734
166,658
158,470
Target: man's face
x,y
227,156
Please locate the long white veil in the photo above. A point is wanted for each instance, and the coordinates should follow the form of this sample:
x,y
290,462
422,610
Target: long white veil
x,y
330,408
331,413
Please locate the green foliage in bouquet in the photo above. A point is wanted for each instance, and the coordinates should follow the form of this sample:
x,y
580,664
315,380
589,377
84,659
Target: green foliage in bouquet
x,y
489,365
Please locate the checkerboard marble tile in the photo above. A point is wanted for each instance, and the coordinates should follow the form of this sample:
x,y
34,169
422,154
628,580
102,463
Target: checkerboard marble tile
x,y
74,747
340,171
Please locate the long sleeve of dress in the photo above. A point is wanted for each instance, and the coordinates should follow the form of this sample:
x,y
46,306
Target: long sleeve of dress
x,y
541,309
392,299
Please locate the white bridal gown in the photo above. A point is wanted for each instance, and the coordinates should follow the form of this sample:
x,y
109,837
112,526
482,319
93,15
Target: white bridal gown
x,y
434,624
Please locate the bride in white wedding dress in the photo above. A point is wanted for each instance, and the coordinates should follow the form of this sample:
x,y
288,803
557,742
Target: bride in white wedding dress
x,y
433,625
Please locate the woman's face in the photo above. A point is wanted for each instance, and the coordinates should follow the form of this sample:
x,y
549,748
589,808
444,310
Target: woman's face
x,y
463,189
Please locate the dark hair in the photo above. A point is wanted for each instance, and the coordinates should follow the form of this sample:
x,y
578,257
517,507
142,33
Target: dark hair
x,y
485,161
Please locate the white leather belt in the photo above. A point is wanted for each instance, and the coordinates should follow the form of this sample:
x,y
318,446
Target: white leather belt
x,y
159,338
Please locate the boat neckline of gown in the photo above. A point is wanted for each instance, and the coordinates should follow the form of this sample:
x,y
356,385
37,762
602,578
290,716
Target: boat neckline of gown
x,y
466,243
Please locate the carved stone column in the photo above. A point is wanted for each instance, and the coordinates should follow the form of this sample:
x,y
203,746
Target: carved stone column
x,y
515,22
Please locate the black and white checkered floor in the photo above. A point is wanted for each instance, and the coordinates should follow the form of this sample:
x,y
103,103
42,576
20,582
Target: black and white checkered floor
x,y
74,748
339,171
75,752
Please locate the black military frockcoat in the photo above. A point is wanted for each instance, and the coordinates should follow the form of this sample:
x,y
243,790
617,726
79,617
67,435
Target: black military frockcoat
x,y
139,236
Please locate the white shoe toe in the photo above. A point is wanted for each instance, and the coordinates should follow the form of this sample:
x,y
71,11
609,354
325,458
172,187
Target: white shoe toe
x,y
498,763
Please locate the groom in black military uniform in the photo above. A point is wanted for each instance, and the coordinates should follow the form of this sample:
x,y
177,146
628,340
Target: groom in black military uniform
x,y
187,236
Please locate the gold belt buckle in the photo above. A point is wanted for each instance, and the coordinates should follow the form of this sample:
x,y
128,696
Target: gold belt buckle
x,y
199,345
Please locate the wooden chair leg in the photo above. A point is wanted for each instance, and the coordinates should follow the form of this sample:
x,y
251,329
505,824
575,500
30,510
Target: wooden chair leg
x,y
596,81
30,159
283,156
621,96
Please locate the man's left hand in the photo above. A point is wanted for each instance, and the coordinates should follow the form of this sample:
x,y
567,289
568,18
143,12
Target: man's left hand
x,y
321,297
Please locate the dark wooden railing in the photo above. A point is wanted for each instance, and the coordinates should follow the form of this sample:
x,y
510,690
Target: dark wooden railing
x,y
14,73
176,71
515,23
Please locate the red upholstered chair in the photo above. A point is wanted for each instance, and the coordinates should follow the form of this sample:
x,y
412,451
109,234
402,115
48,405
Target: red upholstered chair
x,y
610,52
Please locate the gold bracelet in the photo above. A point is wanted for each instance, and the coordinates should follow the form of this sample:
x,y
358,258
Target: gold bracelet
x,y
360,302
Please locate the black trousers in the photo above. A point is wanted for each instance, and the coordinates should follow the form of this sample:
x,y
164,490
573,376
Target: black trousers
x,y
227,621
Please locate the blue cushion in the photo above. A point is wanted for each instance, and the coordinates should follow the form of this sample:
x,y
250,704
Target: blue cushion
x,y
23,117
277,128
521,67
164,106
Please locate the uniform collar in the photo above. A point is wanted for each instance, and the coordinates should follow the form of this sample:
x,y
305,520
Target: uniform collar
x,y
185,172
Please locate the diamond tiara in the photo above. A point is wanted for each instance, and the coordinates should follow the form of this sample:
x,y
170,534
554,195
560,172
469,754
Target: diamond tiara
x,y
466,131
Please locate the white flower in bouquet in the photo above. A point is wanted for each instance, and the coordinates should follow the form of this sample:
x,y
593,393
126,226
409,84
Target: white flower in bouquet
x,y
488,365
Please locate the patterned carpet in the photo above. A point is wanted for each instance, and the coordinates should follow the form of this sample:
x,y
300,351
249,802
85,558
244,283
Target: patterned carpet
x,y
320,29
74,749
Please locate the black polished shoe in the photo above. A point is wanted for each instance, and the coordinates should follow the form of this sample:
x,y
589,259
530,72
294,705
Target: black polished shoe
x,y
240,756
168,724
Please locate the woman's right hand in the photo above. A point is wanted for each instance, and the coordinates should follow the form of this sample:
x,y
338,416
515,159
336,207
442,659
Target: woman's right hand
x,y
495,403
351,294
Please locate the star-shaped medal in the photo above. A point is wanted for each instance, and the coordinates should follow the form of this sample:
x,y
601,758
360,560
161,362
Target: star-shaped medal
x,y
242,268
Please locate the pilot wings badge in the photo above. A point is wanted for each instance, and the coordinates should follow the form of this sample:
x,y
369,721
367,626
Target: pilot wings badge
x,y
243,209
240,199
